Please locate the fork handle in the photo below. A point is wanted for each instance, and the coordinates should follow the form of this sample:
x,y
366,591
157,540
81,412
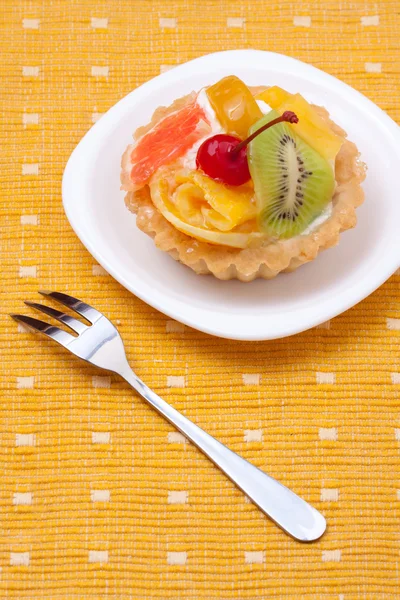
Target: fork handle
x,y
293,514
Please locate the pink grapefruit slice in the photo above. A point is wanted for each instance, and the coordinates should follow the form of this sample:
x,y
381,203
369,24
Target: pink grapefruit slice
x,y
169,139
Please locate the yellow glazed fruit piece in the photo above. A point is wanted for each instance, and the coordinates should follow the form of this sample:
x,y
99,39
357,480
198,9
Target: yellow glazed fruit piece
x,y
311,127
234,105
208,203
274,96
188,211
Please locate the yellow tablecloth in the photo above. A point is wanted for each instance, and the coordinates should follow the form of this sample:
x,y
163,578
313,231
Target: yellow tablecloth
x,y
99,497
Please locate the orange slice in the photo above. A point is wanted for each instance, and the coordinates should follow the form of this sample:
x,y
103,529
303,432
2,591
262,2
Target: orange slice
x,y
208,203
160,190
169,139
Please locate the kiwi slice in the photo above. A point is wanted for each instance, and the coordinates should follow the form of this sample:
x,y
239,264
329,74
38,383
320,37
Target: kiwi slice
x,y
292,182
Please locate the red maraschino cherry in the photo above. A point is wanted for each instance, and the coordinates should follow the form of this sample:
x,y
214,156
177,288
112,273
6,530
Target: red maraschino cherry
x,y
215,157
224,157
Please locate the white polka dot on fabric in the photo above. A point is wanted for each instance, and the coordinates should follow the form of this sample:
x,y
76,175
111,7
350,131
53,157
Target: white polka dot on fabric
x,y
174,327
98,270
254,557
30,23
26,383
253,435
325,325
393,324
22,498
235,22
100,495
371,67
368,21
29,219
100,71
302,21
99,23
25,439
30,71
176,381
101,381
177,497
329,495
167,23
175,437
176,558
328,433
101,437
331,556
325,377
30,119
165,68
98,556
28,271
30,169
19,559
251,378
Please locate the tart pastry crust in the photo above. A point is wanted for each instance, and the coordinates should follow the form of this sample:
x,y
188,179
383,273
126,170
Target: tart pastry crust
x,y
273,256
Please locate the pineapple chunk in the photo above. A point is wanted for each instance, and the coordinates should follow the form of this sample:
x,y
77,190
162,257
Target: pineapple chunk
x,y
234,105
244,236
203,202
311,127
274,96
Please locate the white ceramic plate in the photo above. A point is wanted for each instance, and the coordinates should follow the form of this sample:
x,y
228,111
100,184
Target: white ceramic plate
x,y
288,304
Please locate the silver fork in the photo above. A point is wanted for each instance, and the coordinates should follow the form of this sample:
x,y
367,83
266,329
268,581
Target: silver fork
x,y
100,344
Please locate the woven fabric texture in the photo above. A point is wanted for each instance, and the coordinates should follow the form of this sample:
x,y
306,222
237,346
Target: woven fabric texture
x,y
99,497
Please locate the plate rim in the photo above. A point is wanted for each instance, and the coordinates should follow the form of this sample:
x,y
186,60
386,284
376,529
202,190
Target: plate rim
x,y
257,334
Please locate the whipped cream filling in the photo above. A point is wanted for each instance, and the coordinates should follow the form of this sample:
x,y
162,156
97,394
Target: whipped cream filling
x,y
324,216
189,160
263,106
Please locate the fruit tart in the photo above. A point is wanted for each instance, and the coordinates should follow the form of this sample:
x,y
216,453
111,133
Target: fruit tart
x,y
242,182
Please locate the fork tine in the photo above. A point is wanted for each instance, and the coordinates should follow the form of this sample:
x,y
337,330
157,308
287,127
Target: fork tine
x,y
55,333
70,322
90,313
